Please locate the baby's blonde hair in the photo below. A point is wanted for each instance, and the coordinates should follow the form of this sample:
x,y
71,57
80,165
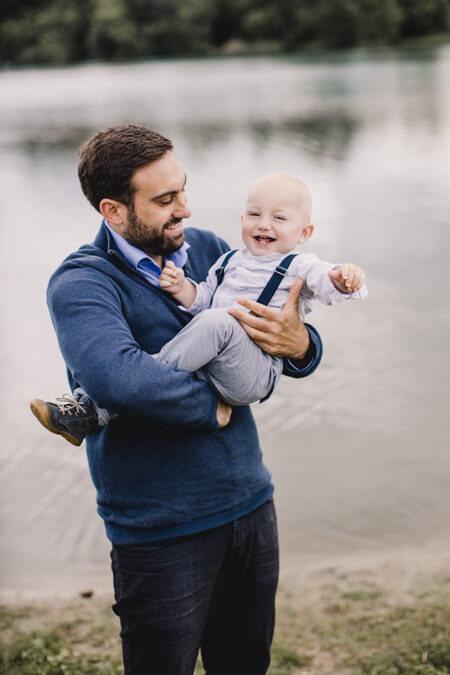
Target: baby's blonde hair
x,y
303,191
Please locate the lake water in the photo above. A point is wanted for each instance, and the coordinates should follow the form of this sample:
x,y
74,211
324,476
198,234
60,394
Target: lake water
x,y
359,451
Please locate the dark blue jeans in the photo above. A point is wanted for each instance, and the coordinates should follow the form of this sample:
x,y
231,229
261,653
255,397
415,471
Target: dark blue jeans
x,y
213,591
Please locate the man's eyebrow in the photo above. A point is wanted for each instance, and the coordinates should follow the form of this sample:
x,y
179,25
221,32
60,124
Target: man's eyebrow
x,y
169,192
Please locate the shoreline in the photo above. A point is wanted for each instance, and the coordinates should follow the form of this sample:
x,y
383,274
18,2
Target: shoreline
x,y
417,557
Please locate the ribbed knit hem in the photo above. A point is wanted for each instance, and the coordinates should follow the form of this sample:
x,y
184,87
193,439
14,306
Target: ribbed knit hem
x,y
127,536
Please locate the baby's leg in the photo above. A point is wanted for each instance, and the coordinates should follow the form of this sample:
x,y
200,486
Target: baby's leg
x,y
103,415
216,346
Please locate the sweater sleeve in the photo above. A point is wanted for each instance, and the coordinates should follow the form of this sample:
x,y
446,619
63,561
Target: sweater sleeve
x,y
307,365
103,356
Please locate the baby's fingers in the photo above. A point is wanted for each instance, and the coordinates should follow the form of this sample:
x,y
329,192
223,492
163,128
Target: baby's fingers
x,y
167,278
348,272
336,274
359,279
169,273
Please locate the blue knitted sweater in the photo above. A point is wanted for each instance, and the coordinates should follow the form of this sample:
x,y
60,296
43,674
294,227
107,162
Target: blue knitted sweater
x,y
162,468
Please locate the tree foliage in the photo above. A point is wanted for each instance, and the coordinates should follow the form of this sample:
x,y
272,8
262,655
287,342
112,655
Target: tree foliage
x,y
64,31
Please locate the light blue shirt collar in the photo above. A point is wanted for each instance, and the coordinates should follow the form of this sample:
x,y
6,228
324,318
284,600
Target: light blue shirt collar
x,y
141,262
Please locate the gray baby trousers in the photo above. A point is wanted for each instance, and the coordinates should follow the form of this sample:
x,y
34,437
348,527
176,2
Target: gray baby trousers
x,y
216,347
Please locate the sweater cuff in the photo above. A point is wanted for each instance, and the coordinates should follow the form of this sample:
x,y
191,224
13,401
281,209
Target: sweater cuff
x,y
308,364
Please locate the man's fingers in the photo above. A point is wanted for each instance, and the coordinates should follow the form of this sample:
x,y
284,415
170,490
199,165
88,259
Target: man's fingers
x,y
264,338
250,320
294,294
255,308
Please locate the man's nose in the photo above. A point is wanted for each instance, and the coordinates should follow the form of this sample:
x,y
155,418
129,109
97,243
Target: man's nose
x,y
182,210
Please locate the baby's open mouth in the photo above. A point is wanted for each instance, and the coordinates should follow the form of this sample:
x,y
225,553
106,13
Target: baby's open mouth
x,y
264,240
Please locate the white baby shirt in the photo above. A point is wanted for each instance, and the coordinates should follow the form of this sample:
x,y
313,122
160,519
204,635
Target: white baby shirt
x,y
247,274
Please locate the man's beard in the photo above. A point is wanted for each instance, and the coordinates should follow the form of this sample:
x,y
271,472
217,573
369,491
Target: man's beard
x,y
140,235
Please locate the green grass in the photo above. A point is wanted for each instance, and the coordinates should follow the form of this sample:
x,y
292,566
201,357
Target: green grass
x,y
49,653
351,625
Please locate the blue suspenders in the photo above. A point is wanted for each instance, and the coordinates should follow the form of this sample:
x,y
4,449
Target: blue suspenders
x,y
269,289
275,280
220,272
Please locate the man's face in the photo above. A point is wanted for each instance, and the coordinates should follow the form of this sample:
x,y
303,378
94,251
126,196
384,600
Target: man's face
x,y
155,218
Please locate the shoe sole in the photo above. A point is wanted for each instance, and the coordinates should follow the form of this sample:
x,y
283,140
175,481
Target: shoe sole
x,y
41,411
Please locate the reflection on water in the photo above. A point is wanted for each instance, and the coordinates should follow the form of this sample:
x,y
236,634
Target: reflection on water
x,y
358,451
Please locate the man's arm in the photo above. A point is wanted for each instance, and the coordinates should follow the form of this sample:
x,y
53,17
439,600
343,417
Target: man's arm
x,y
282,332
104,357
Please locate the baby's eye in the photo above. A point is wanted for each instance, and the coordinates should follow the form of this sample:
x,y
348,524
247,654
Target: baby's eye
x,y
252,213
280,218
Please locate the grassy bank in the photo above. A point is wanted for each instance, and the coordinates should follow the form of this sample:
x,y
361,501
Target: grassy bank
x,y
375,620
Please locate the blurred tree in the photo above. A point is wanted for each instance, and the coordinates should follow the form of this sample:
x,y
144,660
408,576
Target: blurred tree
x,y
262,23
63,31
425,17
303,26
227,19
380,21
339,22
49,34
196,17
111,33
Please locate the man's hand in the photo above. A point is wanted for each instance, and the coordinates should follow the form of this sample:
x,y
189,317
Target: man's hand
x,y
277,332
347,278
223,413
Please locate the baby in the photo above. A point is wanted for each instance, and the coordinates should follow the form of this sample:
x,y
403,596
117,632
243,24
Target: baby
x,y
277,218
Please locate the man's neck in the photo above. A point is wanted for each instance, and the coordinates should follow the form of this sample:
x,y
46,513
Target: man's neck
x,y
158,259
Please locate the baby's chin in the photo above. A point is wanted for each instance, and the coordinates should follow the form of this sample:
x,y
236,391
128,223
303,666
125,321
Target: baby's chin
x,y
260,249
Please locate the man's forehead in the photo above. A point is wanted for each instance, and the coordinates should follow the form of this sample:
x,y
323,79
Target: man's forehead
x,y
162,175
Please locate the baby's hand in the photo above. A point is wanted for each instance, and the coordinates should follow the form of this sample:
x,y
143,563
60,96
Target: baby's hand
x,y
172,278
347,278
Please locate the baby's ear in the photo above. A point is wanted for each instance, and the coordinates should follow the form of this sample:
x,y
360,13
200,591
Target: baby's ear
x,y
305,234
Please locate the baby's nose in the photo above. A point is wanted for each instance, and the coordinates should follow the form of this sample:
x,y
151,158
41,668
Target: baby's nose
x,y
264,224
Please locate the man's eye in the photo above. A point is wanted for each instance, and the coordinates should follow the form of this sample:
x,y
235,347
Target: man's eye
x,y
165,202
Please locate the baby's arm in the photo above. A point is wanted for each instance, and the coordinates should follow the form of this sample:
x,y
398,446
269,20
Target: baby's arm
x,y
347,277
173,281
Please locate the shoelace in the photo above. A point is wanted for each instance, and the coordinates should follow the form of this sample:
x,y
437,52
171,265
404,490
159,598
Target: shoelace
x,y
67,403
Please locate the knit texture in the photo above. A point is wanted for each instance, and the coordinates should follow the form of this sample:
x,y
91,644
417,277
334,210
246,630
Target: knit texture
x,y
162,468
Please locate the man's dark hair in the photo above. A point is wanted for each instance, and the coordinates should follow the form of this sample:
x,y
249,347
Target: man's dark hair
x,y
110,158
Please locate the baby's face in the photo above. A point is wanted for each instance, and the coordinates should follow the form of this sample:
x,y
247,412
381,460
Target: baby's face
x,y
277,215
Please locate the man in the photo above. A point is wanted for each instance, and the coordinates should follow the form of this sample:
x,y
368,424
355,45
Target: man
x,y
180,481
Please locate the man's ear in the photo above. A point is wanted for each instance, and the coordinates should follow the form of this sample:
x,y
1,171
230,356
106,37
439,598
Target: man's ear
x,y
115,213
305,234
